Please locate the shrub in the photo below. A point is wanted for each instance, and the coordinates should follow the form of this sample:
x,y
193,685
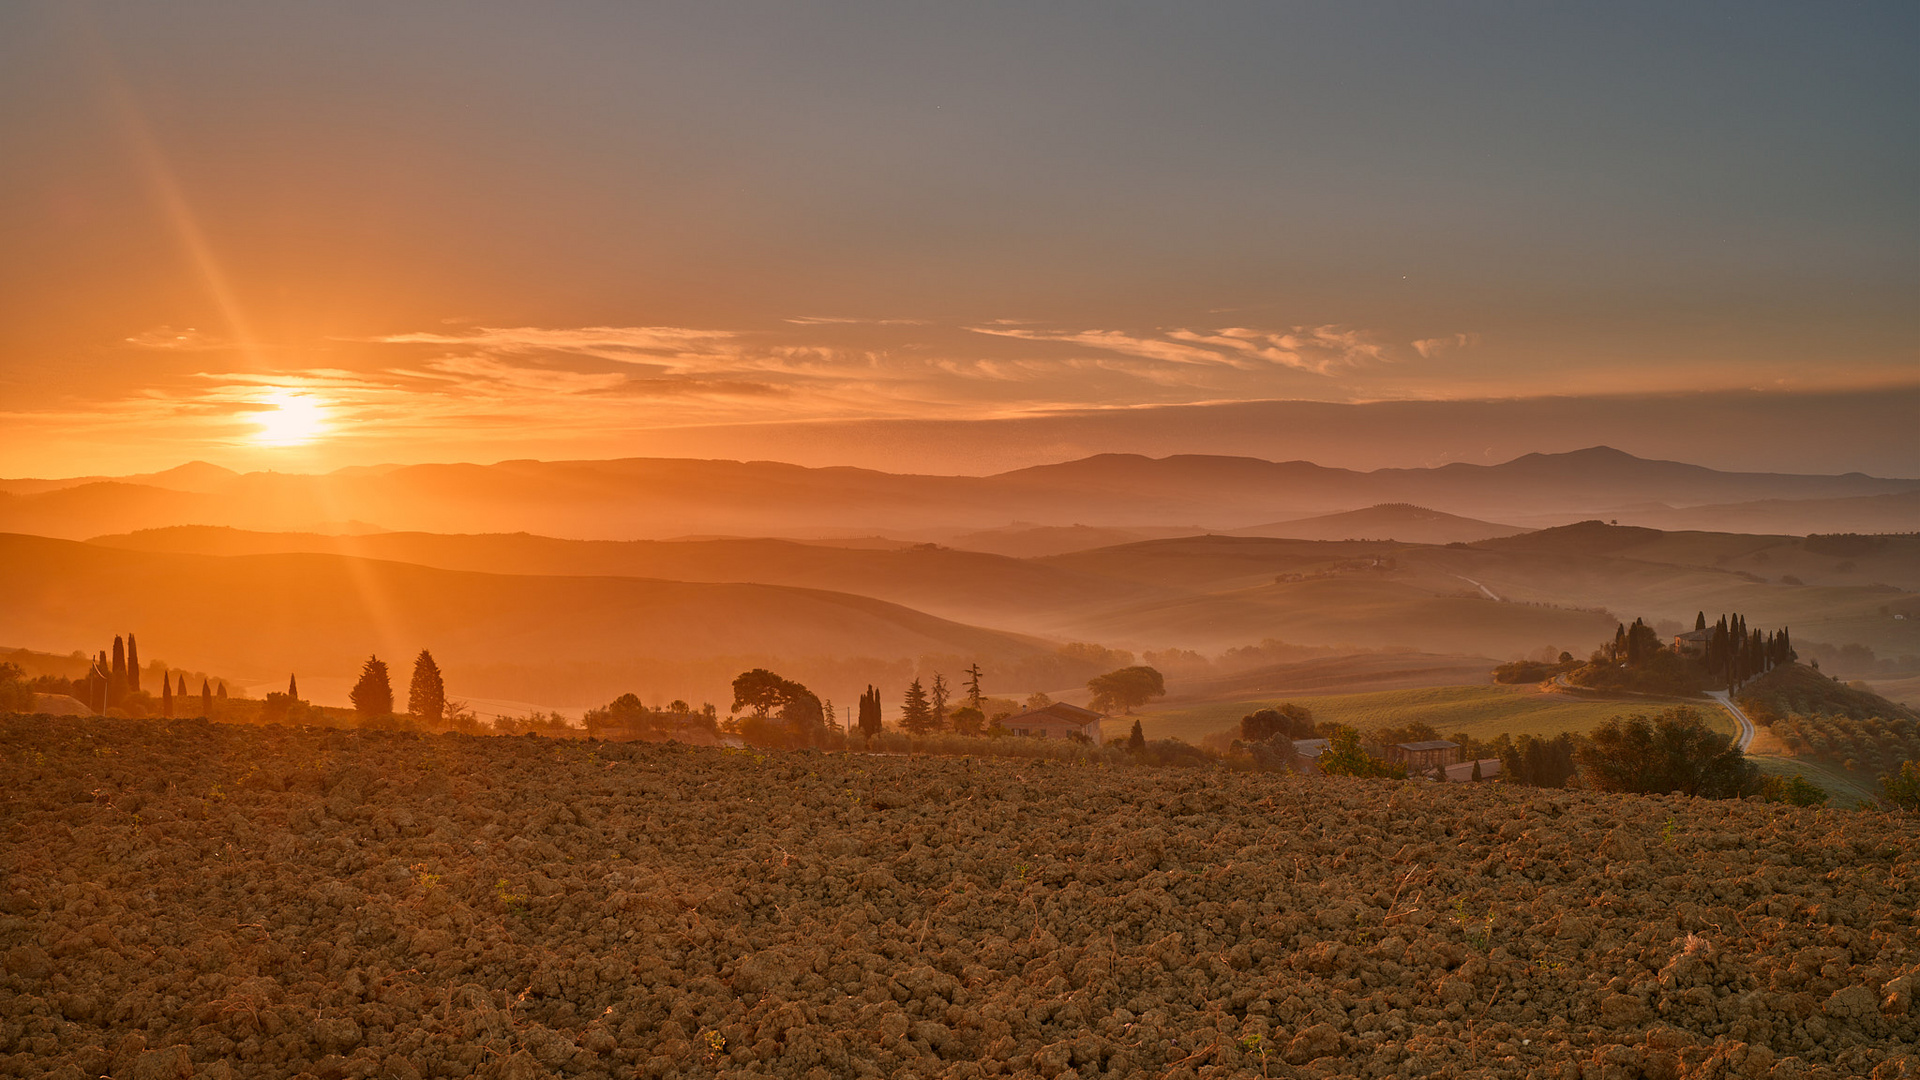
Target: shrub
x,y
1795,791
1902,788
1344,757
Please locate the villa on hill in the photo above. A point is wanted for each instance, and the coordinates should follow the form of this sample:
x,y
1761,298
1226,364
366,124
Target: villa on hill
x,y
1693,643
1056,721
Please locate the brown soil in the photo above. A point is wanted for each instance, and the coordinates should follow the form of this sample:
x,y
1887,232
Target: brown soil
x,y
217,901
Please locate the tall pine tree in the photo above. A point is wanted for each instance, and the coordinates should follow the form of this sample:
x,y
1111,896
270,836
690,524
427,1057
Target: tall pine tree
x,y
916,715
206,699
373,694
133,664
293,688
166,697
870,712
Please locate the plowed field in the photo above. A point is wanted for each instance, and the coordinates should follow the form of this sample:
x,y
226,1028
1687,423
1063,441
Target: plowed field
x,y
197,900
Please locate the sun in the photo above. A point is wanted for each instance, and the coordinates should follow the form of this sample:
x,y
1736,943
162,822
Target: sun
x,y
293,419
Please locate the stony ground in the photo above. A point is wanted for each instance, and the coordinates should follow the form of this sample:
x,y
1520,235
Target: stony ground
x,y
199,900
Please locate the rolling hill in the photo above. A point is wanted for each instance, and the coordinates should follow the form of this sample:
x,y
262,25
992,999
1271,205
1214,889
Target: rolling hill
x,y
968,586
657,497
1387,521
324,613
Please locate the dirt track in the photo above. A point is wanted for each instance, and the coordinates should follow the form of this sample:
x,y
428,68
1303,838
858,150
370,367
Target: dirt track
x,y
219,901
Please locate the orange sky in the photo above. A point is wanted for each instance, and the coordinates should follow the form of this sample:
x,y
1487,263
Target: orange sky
x,y
300,239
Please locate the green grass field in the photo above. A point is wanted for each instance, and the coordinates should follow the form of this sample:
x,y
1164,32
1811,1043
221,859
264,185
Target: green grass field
x,y
1483,712
1844,789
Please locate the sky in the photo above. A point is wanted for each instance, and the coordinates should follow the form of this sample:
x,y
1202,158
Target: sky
x,y
957,237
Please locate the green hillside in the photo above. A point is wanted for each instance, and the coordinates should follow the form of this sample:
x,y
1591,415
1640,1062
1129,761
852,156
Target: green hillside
x,y
1481,711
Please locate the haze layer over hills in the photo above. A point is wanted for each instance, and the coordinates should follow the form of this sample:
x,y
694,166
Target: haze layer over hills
x,y
522,594
659,498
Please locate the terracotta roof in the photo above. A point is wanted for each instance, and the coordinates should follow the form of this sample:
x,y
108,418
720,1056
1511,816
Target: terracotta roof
x,y
1059,710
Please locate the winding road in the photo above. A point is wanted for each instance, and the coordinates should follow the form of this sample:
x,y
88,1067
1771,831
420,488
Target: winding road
x,y
1746,726
1488,593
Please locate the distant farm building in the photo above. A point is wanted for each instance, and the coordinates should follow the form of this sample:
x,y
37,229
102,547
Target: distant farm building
x,y
1306,754
1462,772
1692,643
1421,757
1056,721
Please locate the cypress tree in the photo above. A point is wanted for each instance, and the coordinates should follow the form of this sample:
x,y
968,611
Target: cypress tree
x,y
166,697
870,712
1700,621
133,663
1136,740
119,668
293,688
221,693
427,695
974,696
206,697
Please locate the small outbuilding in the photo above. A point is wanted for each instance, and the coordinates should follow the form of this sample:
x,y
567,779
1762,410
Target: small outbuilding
x,y
1056,721
1421,757
1306,754
1462,772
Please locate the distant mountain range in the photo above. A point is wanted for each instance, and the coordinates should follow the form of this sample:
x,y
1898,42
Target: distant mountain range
x,y
662,497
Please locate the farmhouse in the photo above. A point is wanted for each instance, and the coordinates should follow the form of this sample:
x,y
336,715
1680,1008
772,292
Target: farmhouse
x,y
1692,643
1421,757
1056,721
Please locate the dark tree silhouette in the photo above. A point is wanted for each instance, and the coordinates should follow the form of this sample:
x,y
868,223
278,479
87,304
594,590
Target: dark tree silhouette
x,y
938,696
870,712
759,690
166,698
916,716
1125,688
293,688
1136,740
762,692
974,696
373,694
1288,719
133,664
206,699
427,694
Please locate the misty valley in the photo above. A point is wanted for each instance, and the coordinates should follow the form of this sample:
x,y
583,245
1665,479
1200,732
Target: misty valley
x,y
1034,781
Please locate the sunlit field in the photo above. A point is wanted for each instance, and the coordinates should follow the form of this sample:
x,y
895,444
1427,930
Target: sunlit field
x,y
1484,712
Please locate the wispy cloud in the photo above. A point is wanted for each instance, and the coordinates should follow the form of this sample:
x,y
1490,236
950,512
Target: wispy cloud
x,y
188,339
1319,350
1434,346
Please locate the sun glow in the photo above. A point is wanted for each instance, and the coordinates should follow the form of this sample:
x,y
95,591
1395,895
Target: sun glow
x,y
294,419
